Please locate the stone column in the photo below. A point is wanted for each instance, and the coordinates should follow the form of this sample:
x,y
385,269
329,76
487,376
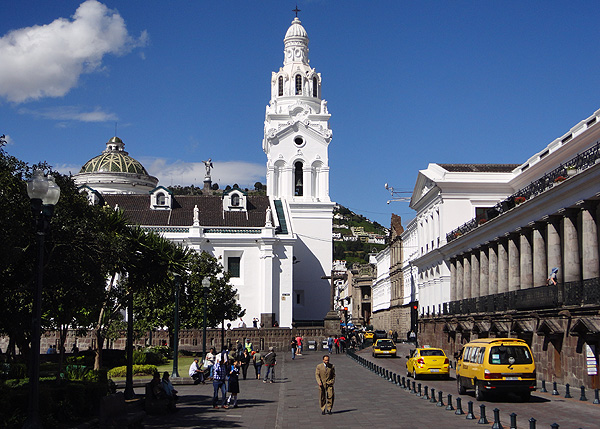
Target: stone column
x,y
453,279
467,275
572,267
589,241
525,259
540,261
514,272
553,239
475,274
493,268
460,294
484,268
502,266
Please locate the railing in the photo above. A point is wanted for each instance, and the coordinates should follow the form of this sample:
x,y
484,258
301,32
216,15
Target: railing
x,y
579,163
568,294
177,229
219,230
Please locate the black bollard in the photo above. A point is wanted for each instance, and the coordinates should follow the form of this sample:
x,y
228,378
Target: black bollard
x,y
419,390
459,411
432,399
497,424
532,423
544,387
404,382
554,389
449,407
414,388
426,395
568,391
583,397
470,415
440,402
513,421
597,396
482,419
554,426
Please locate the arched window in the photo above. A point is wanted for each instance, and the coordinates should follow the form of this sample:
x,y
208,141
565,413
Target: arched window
x,y
161,199
298,84
298,188
235,200
315,87
280,86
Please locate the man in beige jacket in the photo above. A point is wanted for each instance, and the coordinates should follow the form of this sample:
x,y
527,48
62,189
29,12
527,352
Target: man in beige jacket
x,y
325,375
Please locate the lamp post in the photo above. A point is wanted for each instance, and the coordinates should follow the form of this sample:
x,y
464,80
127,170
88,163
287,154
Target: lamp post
x,y
176,327
205,289
44,194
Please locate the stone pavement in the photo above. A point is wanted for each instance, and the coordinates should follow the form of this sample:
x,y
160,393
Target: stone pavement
x,y
362,400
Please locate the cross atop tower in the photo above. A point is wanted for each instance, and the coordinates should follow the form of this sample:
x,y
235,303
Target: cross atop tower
x,y
296,10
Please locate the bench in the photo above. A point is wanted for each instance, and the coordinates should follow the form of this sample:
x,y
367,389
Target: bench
x,y
114,413
156,405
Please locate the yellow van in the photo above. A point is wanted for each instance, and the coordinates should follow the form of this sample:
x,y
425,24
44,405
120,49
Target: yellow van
x,y
496,365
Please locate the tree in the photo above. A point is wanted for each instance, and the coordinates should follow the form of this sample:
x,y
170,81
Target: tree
x,y
258,186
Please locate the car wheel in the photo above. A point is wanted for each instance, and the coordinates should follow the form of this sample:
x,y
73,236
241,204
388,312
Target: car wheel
x,y
461,389
414,374
479,393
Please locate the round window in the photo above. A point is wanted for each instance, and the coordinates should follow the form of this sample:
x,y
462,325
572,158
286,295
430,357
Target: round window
x,y
299,141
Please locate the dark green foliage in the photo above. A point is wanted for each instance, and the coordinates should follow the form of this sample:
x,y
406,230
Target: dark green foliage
x,y
120,371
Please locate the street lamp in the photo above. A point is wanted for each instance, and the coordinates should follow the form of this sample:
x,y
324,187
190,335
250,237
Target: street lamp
x,y
176,326
44,194
205,289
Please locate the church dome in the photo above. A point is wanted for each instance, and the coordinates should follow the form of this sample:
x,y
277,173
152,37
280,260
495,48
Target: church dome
x,y
296,30
114,159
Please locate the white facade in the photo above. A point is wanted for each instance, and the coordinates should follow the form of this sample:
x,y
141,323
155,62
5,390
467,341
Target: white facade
x,y
381,292
296,140
446,196
410,251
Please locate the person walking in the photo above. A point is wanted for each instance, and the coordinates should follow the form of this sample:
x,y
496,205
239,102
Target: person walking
x,y
219,379
299,344
336,342
257,359
325,375
245,363
270,360
293,346
233,386
330,344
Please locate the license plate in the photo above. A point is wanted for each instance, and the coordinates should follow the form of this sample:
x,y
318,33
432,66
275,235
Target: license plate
x,y
386,352
511,378
434,370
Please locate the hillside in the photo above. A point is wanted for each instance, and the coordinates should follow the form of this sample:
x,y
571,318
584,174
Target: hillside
x,y
355,236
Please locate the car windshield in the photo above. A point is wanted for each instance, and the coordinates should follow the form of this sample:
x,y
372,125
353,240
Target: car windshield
x,y
432,353
385,343
509,355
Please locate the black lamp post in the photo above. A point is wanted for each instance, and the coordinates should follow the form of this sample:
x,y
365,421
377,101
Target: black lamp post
x,y
176,327
44,194
205,289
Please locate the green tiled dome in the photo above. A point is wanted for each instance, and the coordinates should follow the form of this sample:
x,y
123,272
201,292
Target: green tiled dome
x,y
114,160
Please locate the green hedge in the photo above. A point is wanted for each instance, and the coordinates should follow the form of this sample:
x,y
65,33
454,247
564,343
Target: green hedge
x,y
121,371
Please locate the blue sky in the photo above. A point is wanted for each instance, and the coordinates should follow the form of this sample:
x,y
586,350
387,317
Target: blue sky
x,y
407,83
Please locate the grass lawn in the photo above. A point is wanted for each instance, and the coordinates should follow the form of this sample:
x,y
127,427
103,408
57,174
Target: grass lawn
x,y
183,364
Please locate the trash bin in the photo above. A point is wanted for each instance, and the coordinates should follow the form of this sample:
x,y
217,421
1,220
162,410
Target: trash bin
x,y
312,345
324,344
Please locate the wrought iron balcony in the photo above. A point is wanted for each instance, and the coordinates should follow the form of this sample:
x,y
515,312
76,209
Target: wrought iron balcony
x,y
582,161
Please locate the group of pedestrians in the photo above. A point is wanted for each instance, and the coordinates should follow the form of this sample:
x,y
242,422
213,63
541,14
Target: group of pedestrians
x,y
338,342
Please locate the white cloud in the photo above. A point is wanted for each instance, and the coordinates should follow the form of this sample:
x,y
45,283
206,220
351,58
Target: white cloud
x,y
67,168
245,174
71,113
47,60
9,141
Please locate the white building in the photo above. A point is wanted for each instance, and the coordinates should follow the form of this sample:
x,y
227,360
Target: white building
x,y
446,196
382,286
277,247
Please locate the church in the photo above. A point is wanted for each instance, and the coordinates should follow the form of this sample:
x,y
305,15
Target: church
x,y
277,247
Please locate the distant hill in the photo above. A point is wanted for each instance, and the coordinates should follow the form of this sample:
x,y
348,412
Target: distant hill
x,y
355,236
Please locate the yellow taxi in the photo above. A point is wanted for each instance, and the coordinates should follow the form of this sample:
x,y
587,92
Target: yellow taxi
x,y
496,365
384,347
427,361
369,335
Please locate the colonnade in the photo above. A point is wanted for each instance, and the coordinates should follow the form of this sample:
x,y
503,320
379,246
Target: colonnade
x,y
521,259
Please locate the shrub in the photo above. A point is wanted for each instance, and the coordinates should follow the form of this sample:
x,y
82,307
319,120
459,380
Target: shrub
x,y
121,371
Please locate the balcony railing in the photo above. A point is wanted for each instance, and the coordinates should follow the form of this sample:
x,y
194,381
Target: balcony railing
x,y
581,162
568,294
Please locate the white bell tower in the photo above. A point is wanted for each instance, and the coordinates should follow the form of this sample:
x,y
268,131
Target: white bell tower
x,y
296,139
